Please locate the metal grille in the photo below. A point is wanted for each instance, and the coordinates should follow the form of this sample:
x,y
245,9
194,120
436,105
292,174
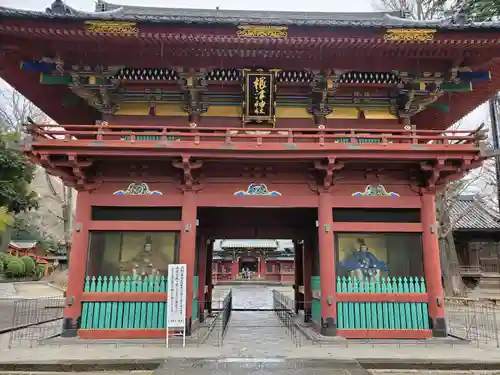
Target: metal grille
x,y
35,320
473,320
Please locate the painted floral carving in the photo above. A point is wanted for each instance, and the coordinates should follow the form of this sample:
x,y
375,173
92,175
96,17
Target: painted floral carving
x,y
258,190
138,189
375,191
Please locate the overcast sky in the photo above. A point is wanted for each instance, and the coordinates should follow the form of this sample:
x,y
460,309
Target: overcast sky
x,y
290,5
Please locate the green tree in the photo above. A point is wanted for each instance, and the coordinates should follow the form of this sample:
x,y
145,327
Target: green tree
x,y
417,9
480,10
57,200
16,173
25,230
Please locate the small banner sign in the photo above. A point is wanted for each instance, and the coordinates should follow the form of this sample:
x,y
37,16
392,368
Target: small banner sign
x,y
259,104
176,315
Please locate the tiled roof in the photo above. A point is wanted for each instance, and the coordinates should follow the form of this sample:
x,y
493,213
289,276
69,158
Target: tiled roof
x,y
108,11
26,245
468,213
249,244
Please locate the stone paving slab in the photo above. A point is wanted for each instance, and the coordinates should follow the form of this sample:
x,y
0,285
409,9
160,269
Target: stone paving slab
x,y
277,366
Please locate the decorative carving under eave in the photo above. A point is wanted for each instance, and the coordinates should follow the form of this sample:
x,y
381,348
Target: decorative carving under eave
x,y
112,27
442,172
322,85
410,35
187,166
193,85
328,168
104,97
262,31
70,171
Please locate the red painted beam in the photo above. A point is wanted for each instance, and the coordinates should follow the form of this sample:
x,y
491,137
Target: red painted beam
x,y
382,297
135,225
377,227
135,201
102,334
124,297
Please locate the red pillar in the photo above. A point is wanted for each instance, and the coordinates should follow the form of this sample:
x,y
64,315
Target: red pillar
x,y
203,264
234,269
327,266
263,268
307,261
209,280
432,265
77,264
187,250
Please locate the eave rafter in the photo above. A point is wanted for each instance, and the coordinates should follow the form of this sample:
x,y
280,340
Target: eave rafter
x,y
72,170
97,87
443,171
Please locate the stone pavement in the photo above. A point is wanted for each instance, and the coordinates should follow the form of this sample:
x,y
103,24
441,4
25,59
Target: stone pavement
x,y
256,337
7,290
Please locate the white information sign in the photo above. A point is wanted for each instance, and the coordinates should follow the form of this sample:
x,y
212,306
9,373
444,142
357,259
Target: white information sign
x,y
176,303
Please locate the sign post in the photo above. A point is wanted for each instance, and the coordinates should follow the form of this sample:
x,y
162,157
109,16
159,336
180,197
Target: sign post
x,y
176,301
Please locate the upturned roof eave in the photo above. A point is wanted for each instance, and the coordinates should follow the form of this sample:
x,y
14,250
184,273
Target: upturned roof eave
x,y
245,18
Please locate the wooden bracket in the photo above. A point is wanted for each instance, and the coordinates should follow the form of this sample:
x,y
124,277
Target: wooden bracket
x,y
329,168
435,172
187,167
193,84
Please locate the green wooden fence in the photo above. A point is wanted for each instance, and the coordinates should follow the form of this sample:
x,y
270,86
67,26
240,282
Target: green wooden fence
x,y
316,303
150,138
127,315
194,315
382,315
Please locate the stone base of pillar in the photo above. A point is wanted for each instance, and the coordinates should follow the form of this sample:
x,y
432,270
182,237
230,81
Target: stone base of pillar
x,y
69,328
189,325
439,327
307,314
328,326
201,313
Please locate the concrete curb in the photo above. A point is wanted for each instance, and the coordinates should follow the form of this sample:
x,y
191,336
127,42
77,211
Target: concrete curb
x,y
153,363
57,288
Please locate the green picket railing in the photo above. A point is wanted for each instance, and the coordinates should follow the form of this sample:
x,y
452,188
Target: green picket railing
x,y
316,303
194,315
149,138
125,314
360,140
382,315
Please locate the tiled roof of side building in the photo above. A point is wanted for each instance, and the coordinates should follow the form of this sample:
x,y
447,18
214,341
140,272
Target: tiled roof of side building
x,y
469,213
249,244
109,11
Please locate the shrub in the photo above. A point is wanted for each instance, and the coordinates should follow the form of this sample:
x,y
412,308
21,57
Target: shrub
x,y
6,258
15,268
1,267
40,270
29,265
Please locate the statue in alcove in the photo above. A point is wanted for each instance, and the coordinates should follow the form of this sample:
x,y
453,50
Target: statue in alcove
x,y
147,262
363,264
